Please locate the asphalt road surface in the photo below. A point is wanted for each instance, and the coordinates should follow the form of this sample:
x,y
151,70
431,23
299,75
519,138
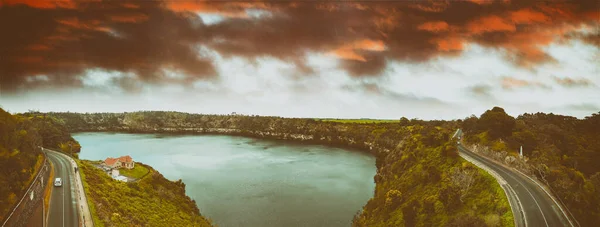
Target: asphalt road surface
x,y
538,208
63,203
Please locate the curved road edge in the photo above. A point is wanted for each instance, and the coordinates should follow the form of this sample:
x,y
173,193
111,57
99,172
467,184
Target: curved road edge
x,y
515,204
85,217
530,192
559,205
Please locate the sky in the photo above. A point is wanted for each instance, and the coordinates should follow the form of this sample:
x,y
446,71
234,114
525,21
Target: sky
x,y
338,59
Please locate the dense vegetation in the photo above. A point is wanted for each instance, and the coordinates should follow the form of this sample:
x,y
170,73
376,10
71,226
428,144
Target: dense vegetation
x,y
20,156
151,201
420,178
562,151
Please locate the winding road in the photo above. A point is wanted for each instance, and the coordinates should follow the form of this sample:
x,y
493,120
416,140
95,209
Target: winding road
x,y
63,201
531,205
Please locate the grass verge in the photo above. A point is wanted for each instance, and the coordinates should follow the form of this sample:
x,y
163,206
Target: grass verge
x,y
91,205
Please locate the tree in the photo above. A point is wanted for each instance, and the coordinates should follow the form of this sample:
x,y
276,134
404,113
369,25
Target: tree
x,y
404,121
497,123
525,139
463,179
469,125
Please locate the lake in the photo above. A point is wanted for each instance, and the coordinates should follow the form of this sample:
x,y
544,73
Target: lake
x,y
238,181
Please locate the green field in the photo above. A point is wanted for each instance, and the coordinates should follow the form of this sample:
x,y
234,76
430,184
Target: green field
x,y
137,172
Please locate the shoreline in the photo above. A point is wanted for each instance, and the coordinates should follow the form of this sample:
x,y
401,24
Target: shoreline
x,y
327,143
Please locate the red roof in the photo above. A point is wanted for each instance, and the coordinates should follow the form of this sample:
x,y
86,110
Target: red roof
x,y
110,161
126,159
123,159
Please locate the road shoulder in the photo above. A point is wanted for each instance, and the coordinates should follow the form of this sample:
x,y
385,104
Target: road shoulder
x,y
513,199
84,211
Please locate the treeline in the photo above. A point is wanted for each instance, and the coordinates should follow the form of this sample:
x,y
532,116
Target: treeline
x,y
562,151
20,155
151,201
420,179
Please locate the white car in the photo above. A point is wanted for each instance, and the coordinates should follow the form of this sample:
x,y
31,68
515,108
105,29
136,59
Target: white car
x,y
58,182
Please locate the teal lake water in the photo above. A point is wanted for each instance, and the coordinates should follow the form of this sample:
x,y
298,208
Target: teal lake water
x,y
238,181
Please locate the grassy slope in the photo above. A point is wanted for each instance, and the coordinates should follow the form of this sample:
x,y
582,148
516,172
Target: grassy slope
x,y
137,172
152,201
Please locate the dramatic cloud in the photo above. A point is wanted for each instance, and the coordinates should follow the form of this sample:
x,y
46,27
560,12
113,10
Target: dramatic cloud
x,y
422,54
61,39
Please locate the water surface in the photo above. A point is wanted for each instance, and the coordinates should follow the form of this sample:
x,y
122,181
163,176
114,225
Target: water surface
x,y
239,181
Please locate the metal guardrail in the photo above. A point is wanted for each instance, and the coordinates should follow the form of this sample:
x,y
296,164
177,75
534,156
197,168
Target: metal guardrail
x,y
45,165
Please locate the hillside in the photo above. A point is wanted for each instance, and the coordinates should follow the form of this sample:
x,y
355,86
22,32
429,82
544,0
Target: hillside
x,y
420,179
20,156
562,151
150,201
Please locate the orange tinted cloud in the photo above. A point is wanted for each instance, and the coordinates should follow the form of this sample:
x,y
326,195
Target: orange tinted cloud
x,y
42,4
364,36
490,24
228,9
528,16
509,83
88,25
349,54
349,51
436,26
431,6
449,44
63,43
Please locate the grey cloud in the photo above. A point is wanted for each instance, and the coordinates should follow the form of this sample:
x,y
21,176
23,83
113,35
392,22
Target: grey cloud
x,y
374,88
583,107
573,82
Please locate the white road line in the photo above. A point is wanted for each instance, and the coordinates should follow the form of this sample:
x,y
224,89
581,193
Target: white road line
x,y
551,197
536,202
505,186
516,197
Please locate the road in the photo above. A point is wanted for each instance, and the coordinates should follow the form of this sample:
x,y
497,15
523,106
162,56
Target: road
x,y
538,207
63,203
